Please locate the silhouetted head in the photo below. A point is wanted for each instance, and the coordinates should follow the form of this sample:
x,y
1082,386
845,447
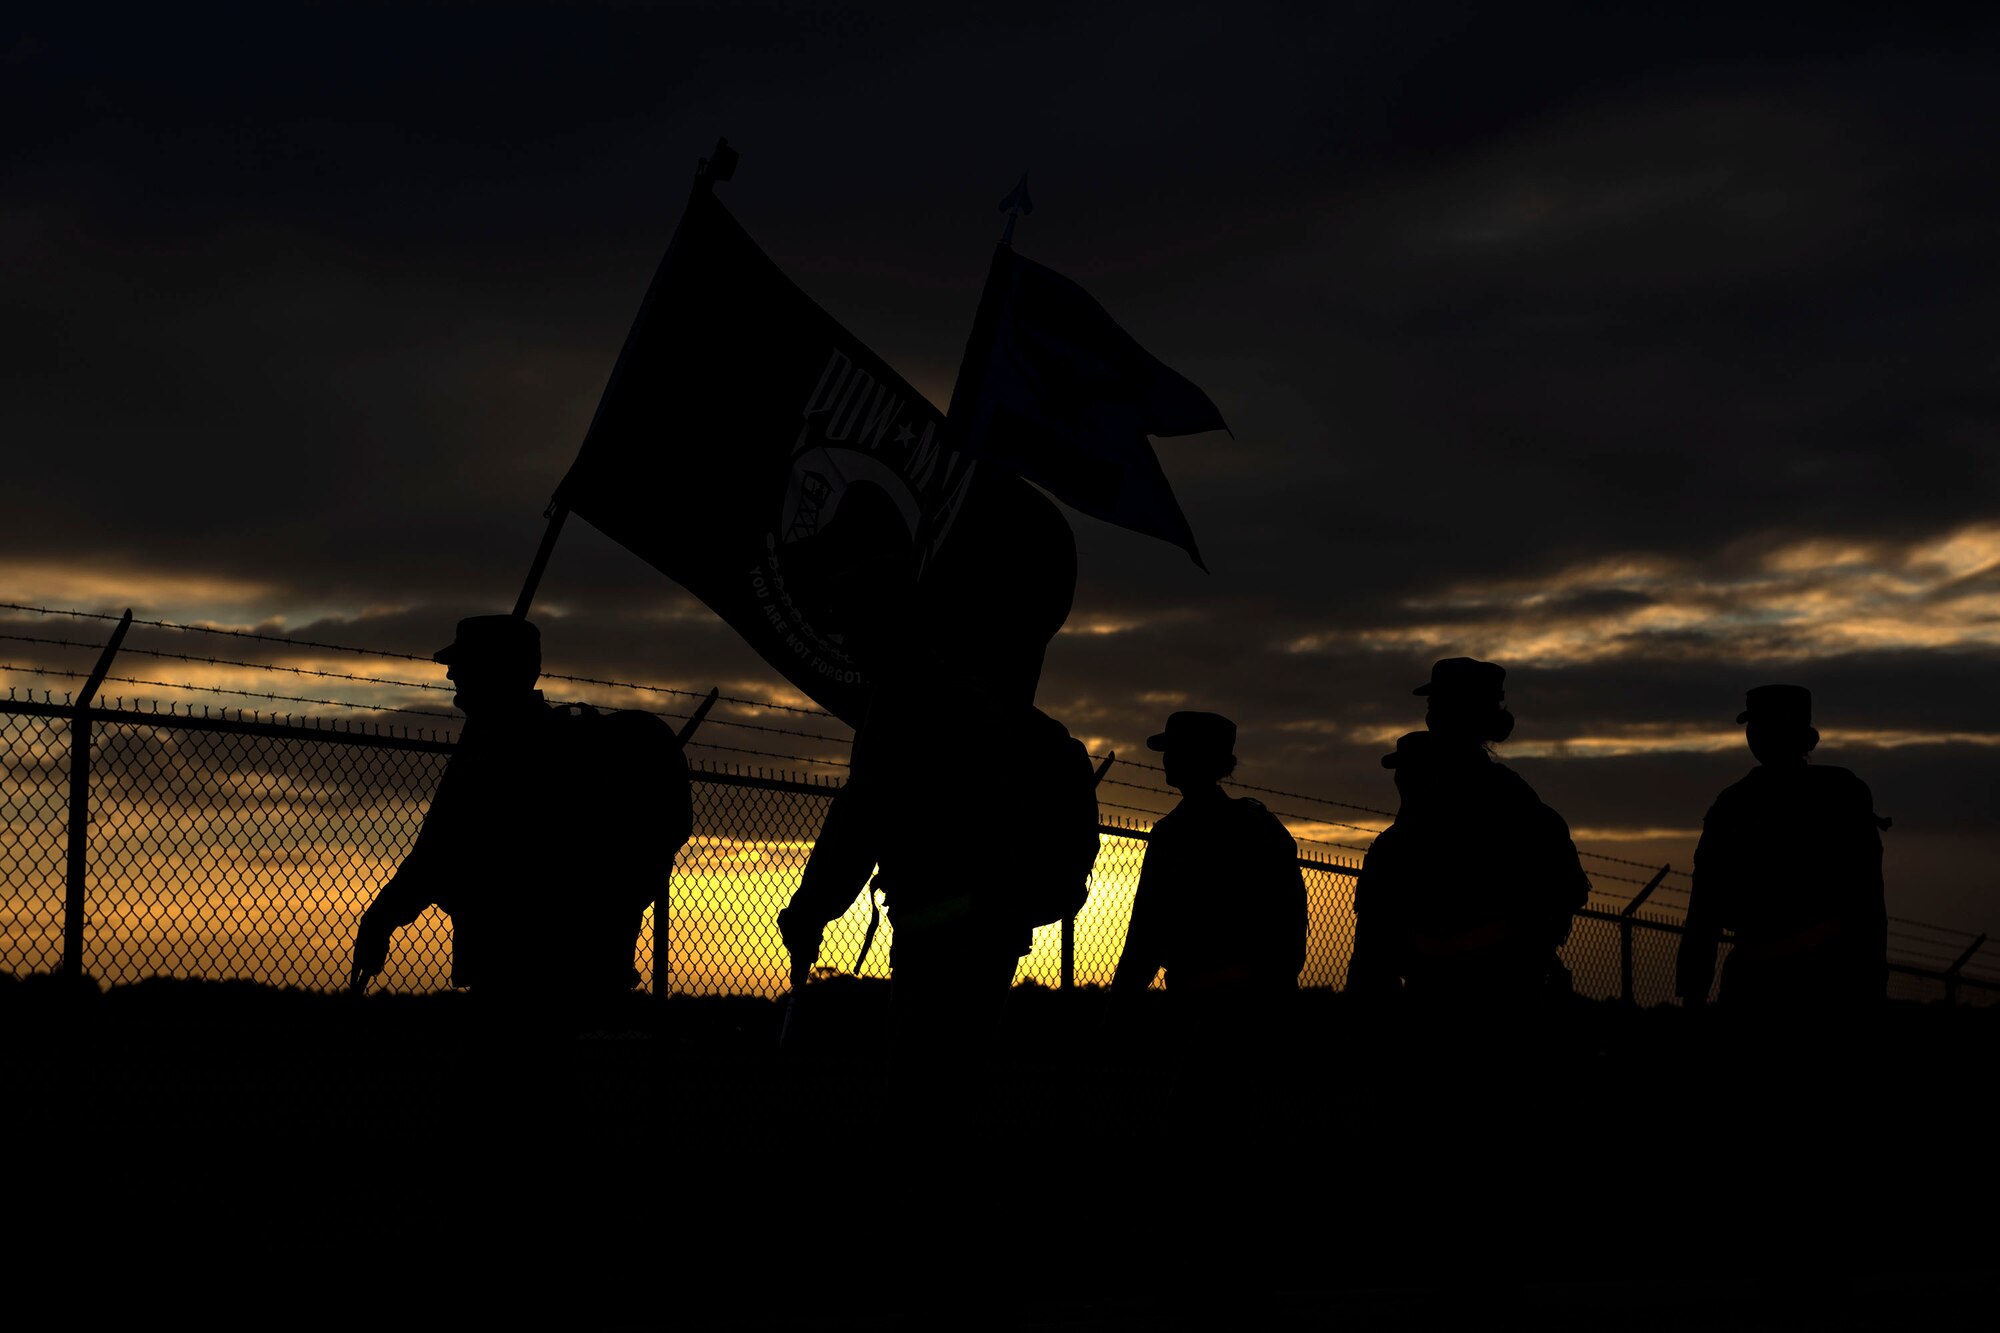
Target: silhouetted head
x,y
1778,723
1416,752
493,660
999,587
1197,749
1465,700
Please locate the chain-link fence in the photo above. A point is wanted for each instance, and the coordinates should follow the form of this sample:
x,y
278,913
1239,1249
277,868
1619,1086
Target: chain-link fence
x,y
232,847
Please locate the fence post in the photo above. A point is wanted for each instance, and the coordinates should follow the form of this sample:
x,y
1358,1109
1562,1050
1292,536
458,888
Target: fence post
x,y
1951,973
693,724
79,804
1625,914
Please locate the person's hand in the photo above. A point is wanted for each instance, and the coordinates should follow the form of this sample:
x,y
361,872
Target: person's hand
x,y
371,950
802,939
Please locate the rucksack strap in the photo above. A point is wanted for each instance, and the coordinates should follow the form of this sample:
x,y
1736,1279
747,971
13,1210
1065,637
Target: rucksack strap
x,y
874,920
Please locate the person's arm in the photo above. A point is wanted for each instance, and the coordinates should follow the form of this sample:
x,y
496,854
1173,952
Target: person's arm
x,y
1145,947
1701,935
842,857
1289,883
427,872
1374,965
1301,921
1569,885
1868,906
417,884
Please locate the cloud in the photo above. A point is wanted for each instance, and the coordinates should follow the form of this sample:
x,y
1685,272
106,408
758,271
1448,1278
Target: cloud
x,y
43,581
1797,600
1650,361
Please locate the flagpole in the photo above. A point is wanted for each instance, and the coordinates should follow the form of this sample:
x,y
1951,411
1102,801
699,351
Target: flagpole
x,y
979,343
719,166
1016,205
978,351
555,514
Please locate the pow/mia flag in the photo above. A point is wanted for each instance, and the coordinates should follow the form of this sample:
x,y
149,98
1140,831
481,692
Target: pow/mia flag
x,y
1053,389
758,454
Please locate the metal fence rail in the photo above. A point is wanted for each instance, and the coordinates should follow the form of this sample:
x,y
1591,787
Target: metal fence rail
x,y
227,846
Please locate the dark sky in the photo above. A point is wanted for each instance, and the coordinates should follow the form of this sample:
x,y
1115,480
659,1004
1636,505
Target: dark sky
x,y
1651,355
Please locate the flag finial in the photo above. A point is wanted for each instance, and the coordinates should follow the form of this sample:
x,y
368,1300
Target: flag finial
x,y
1016,205
718,166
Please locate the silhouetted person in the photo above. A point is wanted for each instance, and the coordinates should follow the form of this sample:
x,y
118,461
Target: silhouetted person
x,y
1467,897
1221,904
1790,862
963,914
1382,943
973,851
971,856
551,831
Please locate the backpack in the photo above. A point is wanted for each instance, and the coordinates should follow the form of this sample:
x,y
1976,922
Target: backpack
x,y
627,802
1043,822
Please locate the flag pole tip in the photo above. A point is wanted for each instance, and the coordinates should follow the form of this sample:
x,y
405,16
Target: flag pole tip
x,y
1017,201
719,165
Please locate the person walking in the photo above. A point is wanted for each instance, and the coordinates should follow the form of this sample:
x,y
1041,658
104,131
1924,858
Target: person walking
x,y
1221,905
1790,864
551,832
1467,897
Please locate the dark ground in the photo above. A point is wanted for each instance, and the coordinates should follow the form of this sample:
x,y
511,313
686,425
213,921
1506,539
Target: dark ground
x,y
232,1155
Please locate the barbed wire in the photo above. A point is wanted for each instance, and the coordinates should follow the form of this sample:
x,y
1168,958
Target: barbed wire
x,y
1320,842
1315,819
713,721
1669,889
1136,809
1271,791
1628,861
1929,925
1676,891
1138,786
218,689
1923,953
379,652
1282,814
768,754
231,662
400,684
212,629
694,694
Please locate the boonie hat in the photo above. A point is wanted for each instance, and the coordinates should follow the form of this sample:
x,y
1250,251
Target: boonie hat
x,y
1465,678
1207,732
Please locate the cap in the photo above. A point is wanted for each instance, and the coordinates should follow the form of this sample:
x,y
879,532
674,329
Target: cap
x,y
1210,732
497,639
1465,678
1778,703
1411,747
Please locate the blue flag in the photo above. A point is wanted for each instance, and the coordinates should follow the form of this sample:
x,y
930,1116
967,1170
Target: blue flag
x,y
1052,389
